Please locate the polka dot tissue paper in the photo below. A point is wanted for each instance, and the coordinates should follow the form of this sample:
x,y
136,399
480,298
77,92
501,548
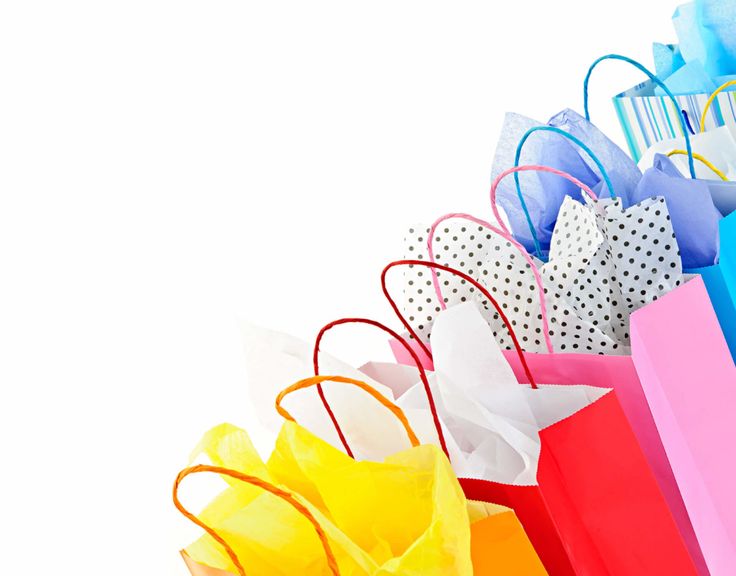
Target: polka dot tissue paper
x,y
604,263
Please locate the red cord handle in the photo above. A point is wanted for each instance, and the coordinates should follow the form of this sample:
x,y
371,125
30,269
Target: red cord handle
x,y
474,283
417,362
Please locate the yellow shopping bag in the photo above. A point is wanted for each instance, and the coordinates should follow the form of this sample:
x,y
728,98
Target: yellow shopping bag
x,y
327,513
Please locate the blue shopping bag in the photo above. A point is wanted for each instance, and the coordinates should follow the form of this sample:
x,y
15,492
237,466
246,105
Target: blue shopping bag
x,y
720,280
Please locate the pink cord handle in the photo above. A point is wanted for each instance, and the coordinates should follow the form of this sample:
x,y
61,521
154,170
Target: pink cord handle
x,y
533,168
473,282
506,236
412,353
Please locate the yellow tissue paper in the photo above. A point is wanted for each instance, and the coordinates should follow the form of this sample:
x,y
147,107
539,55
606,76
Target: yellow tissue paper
x,y
405,516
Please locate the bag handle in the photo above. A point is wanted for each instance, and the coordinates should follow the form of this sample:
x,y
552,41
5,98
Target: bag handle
x,y
580,145
396,336
654,79
315,380
687,122
470,280
506,234
288,497
513,242
703,160
534,168
712,99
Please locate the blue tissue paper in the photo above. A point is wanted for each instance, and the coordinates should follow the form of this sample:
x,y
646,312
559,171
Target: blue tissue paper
x,y
543,192
694,217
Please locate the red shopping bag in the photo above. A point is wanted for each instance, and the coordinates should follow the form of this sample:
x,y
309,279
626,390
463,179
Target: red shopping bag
x,y
596,507
616,372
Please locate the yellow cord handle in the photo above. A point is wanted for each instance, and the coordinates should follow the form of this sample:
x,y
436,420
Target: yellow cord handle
x,y
711,100
702,159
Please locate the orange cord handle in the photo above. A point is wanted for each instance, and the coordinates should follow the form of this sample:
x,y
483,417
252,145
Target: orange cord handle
x,y
268,487
315,380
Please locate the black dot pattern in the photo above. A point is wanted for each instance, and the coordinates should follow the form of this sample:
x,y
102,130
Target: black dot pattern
x,y
494,262
604,263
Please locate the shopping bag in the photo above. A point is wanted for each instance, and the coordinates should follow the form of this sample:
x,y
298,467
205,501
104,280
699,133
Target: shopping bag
x,y
689,379
570,144
715,154
406,515
499,545
610,372
598,271
678,126
524,444
714,151
690,73
647,118
720,280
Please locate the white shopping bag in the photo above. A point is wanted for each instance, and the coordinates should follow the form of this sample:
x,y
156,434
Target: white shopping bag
x,y
716,146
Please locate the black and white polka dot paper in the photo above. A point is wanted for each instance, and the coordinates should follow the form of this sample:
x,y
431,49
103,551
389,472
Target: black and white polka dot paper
x,y
604,263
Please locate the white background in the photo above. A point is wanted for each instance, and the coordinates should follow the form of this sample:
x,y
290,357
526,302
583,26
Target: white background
x,y
169,167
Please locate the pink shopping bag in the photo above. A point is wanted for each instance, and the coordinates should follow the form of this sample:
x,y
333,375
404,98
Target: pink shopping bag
x,y
689,378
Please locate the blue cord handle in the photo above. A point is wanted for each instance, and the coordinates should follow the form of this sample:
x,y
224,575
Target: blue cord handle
x,y
581,144
689,125
653,78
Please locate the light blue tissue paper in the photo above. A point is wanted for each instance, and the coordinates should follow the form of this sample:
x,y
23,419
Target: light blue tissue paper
x,y
721,80
717,23
692,45
689,79
667,59
706,31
